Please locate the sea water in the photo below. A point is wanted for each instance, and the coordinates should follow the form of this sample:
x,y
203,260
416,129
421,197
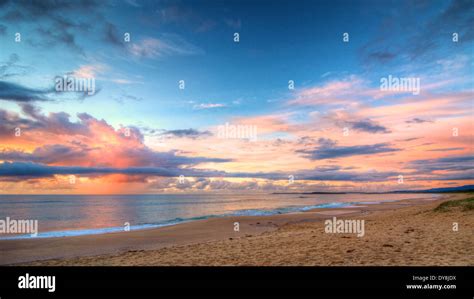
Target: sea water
x,y
75,215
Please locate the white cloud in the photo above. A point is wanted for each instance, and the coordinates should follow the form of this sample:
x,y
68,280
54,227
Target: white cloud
x,y
209,106
158,47
89,71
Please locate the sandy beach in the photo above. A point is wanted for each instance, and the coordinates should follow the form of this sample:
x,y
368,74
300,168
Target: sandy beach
x,y
406,232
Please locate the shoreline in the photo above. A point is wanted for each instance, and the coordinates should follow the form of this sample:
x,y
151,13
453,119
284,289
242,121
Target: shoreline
x,y
105,249
178,221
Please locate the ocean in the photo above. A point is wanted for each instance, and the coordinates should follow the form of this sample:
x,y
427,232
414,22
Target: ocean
x,y
75,215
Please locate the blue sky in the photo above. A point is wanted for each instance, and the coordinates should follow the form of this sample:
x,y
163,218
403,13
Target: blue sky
x,y
279,41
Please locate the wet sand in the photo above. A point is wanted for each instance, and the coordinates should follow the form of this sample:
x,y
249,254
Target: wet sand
x,y
406,232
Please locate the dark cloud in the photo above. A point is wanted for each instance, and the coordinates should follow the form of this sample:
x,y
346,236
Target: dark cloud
x,y
368,126
9,121
125,96
382,56
112,35
335,175
53,20
194,18
456,163
429,37
190,133
347,120
30,169
3,29
144,157
446,149
18,93
53,36
409,139
331,173
11,68
46,154
329,149
327,168
457,159
57,122
30,11
13,16
468,175
69,24
418,121
457,17
35,170
453,176
43,7
54,123
15,92
147,157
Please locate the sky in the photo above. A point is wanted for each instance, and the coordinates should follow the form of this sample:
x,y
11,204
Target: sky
x,y
301,81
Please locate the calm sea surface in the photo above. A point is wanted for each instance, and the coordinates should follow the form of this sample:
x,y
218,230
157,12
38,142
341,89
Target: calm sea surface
x,y
73,215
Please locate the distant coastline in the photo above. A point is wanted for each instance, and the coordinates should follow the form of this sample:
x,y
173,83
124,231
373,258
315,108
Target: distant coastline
x,y
460,189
